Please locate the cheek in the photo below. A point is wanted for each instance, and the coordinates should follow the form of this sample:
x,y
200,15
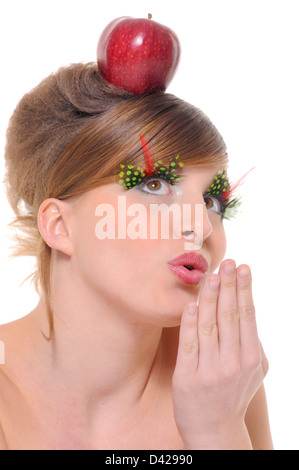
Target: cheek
x,y
85,242
112,262
217,246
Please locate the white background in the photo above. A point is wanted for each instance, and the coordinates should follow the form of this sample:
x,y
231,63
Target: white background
x,y
239,64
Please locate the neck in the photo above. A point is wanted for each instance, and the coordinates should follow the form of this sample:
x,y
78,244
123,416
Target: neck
x,y
101,374
108,357
96,352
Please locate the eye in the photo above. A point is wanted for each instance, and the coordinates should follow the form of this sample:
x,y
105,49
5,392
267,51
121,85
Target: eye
x,y
155,186
213,204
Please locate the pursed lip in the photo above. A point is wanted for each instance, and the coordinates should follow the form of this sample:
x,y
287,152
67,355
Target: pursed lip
x,y
189,267
191,259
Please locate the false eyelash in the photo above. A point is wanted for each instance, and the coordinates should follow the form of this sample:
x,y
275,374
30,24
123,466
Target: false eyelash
x,y
131,176
224,192
221,190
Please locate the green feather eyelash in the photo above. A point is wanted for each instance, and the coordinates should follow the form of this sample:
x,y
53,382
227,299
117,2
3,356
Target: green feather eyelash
x,y
223,191
131,176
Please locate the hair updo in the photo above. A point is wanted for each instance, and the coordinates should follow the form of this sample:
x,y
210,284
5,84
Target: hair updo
x,y
70,134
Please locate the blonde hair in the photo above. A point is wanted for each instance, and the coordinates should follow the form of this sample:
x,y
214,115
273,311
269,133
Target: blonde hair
x,y
70,134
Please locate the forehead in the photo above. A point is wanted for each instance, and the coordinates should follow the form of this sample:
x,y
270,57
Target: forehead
x,y
202,172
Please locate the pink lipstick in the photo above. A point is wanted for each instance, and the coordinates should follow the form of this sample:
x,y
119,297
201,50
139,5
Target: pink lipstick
x,y
189,267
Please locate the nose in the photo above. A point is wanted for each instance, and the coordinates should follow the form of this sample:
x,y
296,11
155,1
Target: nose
x,y
207,225
196,227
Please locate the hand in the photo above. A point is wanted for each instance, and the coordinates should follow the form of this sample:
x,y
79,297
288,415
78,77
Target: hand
x,y
220,362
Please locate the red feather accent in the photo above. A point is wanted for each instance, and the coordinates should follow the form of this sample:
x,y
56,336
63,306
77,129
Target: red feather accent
x,y
231,189
148,158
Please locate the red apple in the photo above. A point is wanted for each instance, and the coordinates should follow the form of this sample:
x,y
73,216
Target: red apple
x,y
138,55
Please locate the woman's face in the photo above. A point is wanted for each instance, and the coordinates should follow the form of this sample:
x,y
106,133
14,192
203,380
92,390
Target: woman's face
x,y
134,274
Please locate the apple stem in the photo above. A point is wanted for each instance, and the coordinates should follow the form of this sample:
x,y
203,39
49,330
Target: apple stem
x,y
149,16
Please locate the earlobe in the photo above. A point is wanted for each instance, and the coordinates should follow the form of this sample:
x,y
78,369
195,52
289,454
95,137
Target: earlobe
x,y
53,227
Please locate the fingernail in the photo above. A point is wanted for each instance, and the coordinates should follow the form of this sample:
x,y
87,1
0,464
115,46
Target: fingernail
x,y
214,284
229,268
244,272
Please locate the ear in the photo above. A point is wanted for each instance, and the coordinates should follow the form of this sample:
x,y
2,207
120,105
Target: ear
x,y
53,225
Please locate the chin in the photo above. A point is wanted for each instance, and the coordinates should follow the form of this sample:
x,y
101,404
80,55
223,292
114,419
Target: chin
x,y
167,316
163,322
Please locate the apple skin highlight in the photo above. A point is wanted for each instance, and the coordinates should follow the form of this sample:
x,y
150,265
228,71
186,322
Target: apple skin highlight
x,y
138,55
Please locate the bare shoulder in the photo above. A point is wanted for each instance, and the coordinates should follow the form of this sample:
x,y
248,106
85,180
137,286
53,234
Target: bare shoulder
x,y
2,362
3,337
9,340
257,422
3,445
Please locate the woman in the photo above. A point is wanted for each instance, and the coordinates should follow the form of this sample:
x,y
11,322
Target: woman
x,y
116,355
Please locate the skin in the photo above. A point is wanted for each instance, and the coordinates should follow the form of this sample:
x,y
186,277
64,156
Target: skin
x,y
113,369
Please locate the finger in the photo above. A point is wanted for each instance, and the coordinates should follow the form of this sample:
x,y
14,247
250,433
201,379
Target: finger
x,y
265,363
248,328
228,312
187,357
207,321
